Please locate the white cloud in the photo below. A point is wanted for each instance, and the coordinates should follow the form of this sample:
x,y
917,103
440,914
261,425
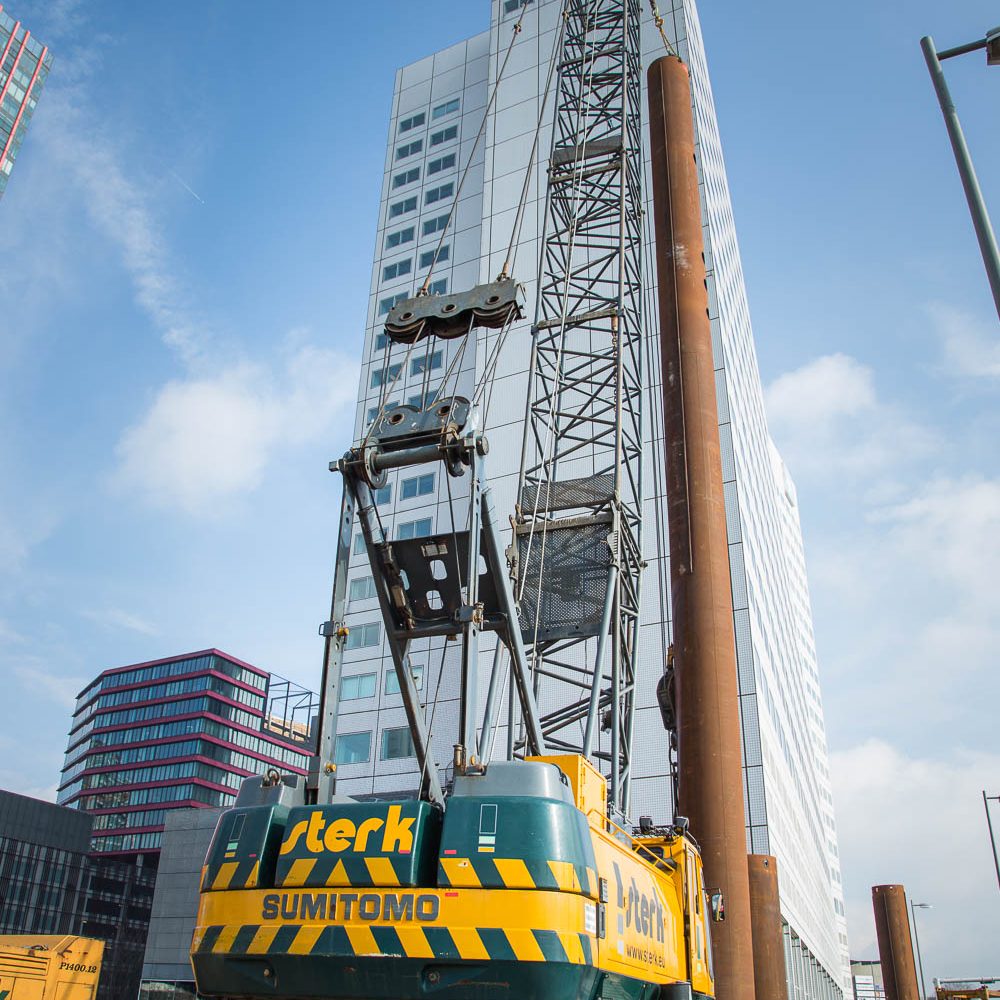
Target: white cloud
x,y
117,618
971,348
120,208
828,423
205,440
954,526
61,690
919,820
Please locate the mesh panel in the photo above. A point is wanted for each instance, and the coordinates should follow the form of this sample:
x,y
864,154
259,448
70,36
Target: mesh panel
x,y
732,513
592,491
744,651
738,576
726,448
574,582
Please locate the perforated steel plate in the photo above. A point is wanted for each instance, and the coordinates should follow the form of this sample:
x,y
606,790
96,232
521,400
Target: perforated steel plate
x,y
564,591
592,491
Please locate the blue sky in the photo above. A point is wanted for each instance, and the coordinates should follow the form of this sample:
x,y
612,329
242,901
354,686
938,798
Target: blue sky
x,y
187,242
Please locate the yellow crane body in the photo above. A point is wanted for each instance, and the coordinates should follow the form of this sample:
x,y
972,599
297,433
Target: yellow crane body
x,y
523,888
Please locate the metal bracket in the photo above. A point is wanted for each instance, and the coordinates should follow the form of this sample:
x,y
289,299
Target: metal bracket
x,y
492,305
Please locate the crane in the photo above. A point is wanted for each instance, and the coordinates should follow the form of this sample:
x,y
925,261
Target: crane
x,y
516,874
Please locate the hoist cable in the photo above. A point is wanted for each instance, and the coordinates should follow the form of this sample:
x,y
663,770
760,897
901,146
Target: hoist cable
x,y
515,233
658,21
472,152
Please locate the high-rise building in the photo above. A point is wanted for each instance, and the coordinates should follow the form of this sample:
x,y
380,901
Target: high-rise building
x,y
23,68
177,733
438,108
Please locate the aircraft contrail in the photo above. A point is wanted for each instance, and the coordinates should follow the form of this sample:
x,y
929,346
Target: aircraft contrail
x,y
187,187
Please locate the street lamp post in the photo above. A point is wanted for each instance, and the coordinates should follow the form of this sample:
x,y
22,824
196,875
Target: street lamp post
x,y
973,193
989,822
916,937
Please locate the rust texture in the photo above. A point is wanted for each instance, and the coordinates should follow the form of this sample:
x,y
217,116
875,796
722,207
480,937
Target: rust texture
x,y
710,773
769,979
895,947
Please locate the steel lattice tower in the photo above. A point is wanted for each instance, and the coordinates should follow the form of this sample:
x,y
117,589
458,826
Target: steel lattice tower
x,y
579,510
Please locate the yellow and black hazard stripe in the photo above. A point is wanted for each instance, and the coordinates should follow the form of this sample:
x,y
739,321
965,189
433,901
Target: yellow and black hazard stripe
x,y
399,941
491,872
333,870
243,874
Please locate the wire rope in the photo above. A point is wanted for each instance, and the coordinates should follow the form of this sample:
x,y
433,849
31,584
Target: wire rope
x,y
472,152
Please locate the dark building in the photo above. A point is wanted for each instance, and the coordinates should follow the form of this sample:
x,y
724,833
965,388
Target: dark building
x,y
50,885
43,866
177,733
166,969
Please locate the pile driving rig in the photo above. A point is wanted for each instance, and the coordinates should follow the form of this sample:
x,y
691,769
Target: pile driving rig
x,y
519,878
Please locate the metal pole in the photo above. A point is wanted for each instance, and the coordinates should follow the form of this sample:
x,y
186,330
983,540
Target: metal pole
x,y
710,771
973,193
916,938
895,944
769,977
989,823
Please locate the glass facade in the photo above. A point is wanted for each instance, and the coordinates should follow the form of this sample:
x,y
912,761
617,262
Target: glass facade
x,y
177,733
24,65
50,885
787,782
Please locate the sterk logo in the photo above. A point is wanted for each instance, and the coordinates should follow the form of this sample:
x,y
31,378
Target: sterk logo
x,y
642,911
342,833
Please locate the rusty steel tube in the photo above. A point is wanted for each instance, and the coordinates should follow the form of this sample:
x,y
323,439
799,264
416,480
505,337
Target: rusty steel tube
x,y
710,772
895,947
769,977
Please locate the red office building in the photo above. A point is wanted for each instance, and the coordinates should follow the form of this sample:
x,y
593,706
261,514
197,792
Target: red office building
x,y
24,65
177,733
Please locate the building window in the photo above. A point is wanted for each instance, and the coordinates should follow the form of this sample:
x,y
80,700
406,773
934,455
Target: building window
x,y
423,399
509,6
414,529
402,207
396,743
382,375
357,686
442,163
406,177
409,148
414,121
363,636
392,681
359,544
439,287
398,269
439,193
449,107
426,364
435,225
353,748
373,411
445,135
418,486
427,258
385,305
362,588
398,237
383,496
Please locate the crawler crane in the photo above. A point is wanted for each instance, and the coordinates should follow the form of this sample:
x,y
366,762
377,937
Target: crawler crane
x,y
517,877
